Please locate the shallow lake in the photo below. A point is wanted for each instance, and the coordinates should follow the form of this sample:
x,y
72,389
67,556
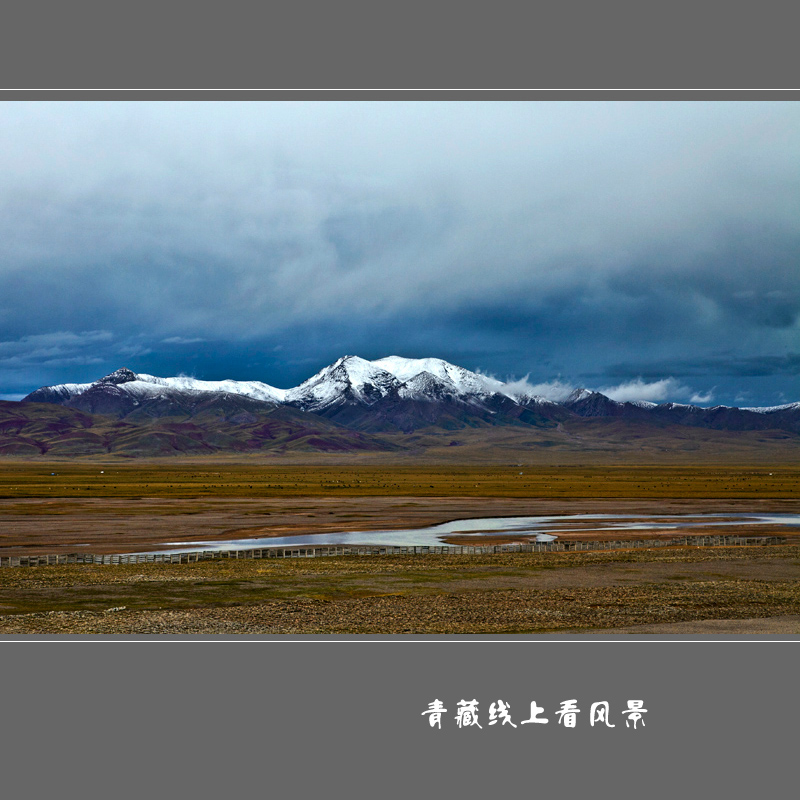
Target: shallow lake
x,y
540,529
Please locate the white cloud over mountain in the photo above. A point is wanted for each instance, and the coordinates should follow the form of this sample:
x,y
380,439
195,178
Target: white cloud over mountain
x,y
550,238
660,391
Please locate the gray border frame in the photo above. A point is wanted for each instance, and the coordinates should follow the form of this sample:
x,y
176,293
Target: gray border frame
x,y
335,717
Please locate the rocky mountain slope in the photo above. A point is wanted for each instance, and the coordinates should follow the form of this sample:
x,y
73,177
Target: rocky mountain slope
x,y
209,426
389,395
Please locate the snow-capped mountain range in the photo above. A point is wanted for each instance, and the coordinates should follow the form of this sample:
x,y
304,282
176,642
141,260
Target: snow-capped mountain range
x,y
355,380
350,379
395,393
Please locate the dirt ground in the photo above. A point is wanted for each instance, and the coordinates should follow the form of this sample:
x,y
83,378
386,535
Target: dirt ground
x,y
788,625
37,526
69,507
665,590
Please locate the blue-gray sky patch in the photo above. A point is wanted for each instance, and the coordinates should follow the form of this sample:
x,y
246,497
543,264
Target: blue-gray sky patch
x,y
648,248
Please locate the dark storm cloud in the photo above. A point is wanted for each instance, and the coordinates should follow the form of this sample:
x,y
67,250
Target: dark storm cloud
x,y
755,366
572,241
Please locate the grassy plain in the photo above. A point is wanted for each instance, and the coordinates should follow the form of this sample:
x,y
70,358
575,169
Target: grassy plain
x,y
510,593
228,479
503,593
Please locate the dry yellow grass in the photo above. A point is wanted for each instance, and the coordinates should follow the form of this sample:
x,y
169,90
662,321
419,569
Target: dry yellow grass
x,y
503,593
206,479
445,595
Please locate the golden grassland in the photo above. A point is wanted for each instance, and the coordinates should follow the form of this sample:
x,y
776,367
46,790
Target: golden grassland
x,y
502,593
228,479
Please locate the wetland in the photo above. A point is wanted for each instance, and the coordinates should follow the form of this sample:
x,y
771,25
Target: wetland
x,y
58,507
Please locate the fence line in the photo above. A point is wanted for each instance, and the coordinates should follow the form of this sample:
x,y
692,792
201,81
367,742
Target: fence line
x,y
193,556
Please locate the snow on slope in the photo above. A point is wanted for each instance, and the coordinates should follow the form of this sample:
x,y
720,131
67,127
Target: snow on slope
x,y
463,381
771,409
350,377
254,389
70,389
144,386
425,386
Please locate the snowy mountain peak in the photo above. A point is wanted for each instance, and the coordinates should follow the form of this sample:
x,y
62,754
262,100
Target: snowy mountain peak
x,y
580,394
356,384
360,371
348,379
428,387
119,376
139,387
149,384
464,381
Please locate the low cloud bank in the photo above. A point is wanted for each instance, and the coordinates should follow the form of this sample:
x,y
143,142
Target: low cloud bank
x,y
655,392
660,391
555,390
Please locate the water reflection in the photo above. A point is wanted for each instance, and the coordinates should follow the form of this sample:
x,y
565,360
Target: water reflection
x,y
540,529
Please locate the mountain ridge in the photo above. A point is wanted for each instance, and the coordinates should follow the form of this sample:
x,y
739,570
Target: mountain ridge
x,y
396,394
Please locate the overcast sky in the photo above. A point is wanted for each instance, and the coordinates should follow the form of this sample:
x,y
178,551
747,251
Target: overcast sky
x,y
648,249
